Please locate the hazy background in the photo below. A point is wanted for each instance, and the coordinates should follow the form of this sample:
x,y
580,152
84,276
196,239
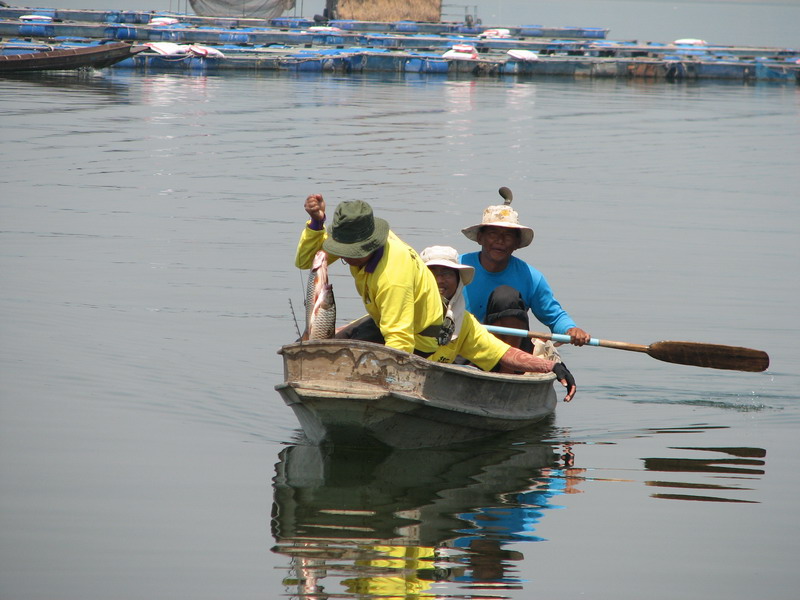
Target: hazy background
x,y
729,22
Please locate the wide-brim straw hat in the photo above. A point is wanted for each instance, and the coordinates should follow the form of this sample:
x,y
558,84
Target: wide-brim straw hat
x,y
445,256
501,215
355,232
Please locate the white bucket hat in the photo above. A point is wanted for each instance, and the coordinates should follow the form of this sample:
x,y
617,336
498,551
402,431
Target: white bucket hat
x,y
501,215
445,256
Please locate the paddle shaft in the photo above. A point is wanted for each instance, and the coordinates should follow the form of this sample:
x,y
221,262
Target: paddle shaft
x,y
712,356
560,337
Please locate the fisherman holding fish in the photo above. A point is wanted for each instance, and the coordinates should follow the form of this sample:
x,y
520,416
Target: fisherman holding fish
x,y
400,294
473,341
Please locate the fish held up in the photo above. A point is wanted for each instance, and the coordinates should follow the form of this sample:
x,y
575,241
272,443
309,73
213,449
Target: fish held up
x,y
320,303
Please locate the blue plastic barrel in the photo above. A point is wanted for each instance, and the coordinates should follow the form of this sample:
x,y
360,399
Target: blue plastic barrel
x,y
345,24
166,35
531,30
234,38
435,65
290,22
413,65
595,32
406,27
120,32
36,30
134,17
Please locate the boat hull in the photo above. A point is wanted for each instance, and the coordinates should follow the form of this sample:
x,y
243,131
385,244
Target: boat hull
x,y
356,393
97,57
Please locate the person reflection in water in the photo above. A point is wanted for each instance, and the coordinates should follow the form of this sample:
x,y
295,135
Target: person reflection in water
x,y
395,572
402,572
493,527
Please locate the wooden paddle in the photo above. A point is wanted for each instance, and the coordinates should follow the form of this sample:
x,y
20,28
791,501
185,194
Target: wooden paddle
x,y
712,356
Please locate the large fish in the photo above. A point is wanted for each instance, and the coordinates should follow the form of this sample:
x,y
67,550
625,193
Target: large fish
x,y
320,304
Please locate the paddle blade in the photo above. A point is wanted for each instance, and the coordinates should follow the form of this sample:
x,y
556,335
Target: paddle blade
x,y
712,356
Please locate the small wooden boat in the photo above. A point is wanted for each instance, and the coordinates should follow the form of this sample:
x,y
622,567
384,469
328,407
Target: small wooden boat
x,y
356,393
96,56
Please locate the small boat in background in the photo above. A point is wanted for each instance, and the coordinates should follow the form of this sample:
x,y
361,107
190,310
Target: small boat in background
x,y
356,393
96,56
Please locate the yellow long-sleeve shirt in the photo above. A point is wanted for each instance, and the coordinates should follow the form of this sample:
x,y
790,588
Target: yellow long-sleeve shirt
x,y
400,294
474,343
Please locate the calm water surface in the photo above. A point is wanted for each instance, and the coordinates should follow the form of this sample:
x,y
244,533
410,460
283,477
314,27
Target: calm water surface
x,y
148,228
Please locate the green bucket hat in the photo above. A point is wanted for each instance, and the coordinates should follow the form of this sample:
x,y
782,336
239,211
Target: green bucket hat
x,y
355,232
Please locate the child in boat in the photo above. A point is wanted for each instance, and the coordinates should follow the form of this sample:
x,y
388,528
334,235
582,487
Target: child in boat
x,y
469,338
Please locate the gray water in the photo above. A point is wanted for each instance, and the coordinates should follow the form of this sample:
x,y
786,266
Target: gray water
x,y
148,229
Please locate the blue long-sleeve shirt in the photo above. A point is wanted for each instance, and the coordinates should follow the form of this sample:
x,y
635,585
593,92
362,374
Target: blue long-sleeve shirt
x,y
532,285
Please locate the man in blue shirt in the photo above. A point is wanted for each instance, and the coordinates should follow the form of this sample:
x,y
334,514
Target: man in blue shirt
x,y
499,235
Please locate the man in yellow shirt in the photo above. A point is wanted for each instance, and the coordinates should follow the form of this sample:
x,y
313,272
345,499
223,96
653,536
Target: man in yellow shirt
x,y
470,339
398,291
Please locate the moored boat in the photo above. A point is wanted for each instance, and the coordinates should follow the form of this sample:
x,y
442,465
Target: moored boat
x,y
96,56
355,393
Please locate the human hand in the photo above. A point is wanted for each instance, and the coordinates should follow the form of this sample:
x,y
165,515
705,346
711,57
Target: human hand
x,y
567,380
315,207
579,336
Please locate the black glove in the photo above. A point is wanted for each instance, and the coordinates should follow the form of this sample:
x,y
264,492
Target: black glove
x,y
562,372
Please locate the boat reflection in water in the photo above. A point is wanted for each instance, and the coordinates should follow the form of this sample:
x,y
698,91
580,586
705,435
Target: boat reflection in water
x,y
729,469
402,523
707,474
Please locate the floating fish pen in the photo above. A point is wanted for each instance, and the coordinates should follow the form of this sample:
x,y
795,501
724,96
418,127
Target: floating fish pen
x,y
54,17
193,43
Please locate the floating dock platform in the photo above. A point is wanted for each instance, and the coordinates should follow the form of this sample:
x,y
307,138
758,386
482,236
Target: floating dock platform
x,y
179,42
